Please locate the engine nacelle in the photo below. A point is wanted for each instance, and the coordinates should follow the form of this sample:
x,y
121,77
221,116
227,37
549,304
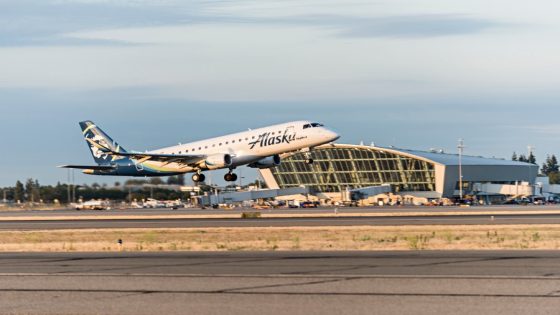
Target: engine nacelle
x,y
267,162
216,161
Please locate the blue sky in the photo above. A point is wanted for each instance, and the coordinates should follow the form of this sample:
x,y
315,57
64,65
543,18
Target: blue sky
x,y
414,74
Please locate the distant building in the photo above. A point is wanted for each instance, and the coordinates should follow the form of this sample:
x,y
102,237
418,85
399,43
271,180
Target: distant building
x,y
428,174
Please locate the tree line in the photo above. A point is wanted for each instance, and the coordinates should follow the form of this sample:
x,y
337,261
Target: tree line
x,y
549,167
32,192
133,189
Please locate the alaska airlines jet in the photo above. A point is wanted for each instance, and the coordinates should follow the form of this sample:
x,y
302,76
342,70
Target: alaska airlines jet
x,y
258,148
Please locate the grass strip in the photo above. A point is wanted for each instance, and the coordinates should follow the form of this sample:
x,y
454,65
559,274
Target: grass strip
x,y
477,237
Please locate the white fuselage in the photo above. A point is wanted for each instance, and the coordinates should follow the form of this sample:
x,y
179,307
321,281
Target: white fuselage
x,y
252,145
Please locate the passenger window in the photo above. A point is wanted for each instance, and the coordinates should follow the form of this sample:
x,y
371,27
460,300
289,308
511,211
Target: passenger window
x,y
246,139
220,143
233,141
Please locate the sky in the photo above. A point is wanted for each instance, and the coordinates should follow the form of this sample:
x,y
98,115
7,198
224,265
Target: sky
x,y
416,74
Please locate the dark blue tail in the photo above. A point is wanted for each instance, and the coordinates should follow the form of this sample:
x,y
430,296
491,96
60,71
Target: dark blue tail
x,y
97,140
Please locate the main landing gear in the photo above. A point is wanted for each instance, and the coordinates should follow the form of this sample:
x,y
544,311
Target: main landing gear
x,y
230,177
198,177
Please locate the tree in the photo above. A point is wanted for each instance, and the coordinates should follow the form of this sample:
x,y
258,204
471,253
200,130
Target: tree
x,y
554,178
522,158
135,182
156,181
549,165
514,157
181,179
36,194
552,164
551,169
531,158
176,180
30,190
18,191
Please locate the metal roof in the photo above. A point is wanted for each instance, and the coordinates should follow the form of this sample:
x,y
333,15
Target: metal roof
x,y
453,159
436,157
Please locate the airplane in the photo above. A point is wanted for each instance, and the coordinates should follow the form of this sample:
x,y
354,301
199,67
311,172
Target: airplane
x,y
258,148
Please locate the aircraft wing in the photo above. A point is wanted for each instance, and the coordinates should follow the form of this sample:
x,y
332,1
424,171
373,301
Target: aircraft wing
x,y
142,157
166,158
90,167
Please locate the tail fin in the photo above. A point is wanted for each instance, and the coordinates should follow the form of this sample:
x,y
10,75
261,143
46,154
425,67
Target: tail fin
x,y
96,140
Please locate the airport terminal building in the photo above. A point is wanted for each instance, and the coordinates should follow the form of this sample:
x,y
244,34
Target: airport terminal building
x,y
343,168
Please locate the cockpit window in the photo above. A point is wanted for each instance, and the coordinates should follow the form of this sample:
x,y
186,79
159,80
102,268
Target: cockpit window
x,y
312,125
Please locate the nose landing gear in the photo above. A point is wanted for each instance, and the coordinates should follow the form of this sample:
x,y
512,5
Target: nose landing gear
x,y
308,158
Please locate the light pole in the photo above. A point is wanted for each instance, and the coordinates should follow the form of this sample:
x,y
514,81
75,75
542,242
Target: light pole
x,y
461,147
241,179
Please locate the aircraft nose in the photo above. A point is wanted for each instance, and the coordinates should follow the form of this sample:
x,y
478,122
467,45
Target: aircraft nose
x,y
333,136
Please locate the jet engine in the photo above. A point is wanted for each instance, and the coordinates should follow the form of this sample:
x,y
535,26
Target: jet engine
x,y
216,161
267,162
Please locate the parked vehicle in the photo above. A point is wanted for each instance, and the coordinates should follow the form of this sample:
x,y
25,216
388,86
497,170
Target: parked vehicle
x,y
153,203
93,205
309,204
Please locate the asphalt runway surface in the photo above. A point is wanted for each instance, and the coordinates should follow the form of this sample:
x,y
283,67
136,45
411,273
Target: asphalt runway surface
x,y
449,282
496,219
321,210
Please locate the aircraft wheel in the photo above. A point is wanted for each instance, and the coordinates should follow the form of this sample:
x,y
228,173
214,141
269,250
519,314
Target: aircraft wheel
x,y
230,177
197,178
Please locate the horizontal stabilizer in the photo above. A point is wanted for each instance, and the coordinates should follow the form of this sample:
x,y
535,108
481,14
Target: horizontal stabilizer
x,y
89,167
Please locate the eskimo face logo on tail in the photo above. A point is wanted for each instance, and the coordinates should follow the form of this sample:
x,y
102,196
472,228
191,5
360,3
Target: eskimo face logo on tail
x,y
98,153
267,139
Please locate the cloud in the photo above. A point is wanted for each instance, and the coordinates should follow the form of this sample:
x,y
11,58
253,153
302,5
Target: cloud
x,y
40,23
402,26
416,26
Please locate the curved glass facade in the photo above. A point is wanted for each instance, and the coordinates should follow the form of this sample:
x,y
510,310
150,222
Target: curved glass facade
x,y
338,168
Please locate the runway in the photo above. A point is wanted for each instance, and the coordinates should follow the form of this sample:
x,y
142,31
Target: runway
x,y
320,210
450,282
341,220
